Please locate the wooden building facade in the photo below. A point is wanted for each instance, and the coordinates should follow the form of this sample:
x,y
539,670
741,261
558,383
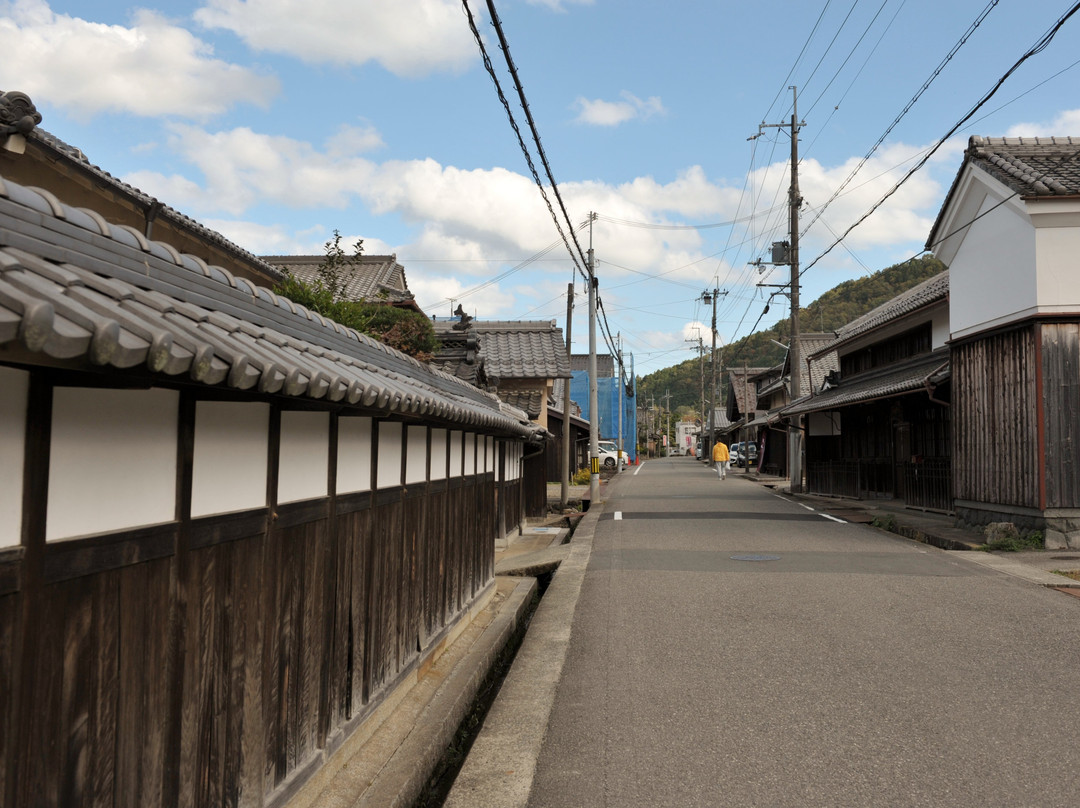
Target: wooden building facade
x,y
229,528
1010,232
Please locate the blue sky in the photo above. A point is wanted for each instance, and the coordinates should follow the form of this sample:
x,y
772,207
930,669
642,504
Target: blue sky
x,y
278,121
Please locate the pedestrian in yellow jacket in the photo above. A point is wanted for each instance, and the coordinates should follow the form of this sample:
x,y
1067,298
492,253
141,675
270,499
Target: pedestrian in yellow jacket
x,y
721,458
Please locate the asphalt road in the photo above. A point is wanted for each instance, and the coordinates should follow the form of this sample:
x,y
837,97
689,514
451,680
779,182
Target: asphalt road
x,y
730,647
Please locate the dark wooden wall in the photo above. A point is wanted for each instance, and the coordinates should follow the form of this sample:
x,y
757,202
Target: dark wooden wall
x,y
1061,402
995,409
217,661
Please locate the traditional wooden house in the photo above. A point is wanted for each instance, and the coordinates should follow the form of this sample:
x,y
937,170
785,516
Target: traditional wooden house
x,y
519,360
229,528
879,427
373,279
33,157
770,429
742,402
1010,232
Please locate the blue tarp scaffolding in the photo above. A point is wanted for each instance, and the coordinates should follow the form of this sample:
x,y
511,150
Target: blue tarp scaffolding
x,y
607,400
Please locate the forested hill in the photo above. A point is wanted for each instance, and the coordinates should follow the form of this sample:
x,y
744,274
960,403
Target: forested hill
x,y
834,309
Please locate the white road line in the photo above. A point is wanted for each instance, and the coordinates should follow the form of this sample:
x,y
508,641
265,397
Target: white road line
x,y
618,515
639,468
804,506
825,515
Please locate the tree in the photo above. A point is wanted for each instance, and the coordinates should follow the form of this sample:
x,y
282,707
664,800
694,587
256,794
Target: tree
x,y
408,331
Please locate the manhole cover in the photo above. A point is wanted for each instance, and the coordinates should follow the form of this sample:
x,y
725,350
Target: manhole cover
x,y
755,557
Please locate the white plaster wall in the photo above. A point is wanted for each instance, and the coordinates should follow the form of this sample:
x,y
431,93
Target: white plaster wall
x,y
992,277
455,453
438,454
940,328
14,386
303,456
230,462
470,454
354,454
112,460
390,459
489,465
1058,282
500,467
416,462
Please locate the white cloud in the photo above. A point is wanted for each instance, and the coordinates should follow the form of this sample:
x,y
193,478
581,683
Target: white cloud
x,y
1066,123
407,37
557,5
598,112
151,68
243,168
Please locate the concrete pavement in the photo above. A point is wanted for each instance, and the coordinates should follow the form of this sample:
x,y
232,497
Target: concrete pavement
x,y
620,735
501,767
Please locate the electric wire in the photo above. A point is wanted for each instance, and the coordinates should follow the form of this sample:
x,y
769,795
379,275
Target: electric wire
x,y
907,108
521,141
1043,42
528,117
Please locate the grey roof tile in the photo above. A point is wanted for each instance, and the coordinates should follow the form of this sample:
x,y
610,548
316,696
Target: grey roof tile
x,y
929,292
892,381
1031,166
377,278
517,349
69,292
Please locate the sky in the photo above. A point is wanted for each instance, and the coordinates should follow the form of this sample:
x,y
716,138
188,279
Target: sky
x,y
278,122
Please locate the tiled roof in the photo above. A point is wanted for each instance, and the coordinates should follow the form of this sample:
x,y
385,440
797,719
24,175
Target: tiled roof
x,y
930,291
518,349
605,364
744,394
531,401
75,288
1031,166
889,382
377,278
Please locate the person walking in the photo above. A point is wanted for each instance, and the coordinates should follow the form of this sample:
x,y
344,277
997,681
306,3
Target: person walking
x,y
721,458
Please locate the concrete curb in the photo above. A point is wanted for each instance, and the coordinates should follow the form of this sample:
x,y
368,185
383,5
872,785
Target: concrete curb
x,y
1018,569
499,770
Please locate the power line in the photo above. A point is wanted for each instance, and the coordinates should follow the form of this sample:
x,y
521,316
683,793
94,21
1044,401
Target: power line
x,y
521,141
532,124
1035,49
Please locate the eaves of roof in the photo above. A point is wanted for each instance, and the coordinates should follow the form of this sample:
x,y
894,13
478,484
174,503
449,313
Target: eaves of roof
x,y
929,292
77,289
886,383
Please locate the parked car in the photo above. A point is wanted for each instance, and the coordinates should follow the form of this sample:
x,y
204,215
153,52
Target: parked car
x,y
609,451
740,451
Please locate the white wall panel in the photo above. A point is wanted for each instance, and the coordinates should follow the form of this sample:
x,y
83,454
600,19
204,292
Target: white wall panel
x,y
14,386
112,460
489,465
354,454
455,453
303,456
438,454
231,457
390,459
416,460
470,454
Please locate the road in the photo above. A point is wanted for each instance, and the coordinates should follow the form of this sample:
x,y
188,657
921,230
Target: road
x,y
731,647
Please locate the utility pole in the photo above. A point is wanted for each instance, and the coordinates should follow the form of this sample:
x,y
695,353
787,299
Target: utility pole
x,y
701,369
594,414
667,432
706,445
795,434
619,384
564,494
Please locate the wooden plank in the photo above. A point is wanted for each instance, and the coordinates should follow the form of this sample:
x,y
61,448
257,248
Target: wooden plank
x,y
75,697
9,605
105,680
359,539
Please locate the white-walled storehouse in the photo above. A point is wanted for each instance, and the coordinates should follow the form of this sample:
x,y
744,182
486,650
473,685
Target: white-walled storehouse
x,y
1010,233
228,527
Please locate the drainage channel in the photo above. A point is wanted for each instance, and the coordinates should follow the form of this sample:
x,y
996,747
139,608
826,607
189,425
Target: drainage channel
x,y
442,779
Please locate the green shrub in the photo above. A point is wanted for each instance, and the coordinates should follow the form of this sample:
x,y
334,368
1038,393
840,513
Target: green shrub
x,y
581,477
